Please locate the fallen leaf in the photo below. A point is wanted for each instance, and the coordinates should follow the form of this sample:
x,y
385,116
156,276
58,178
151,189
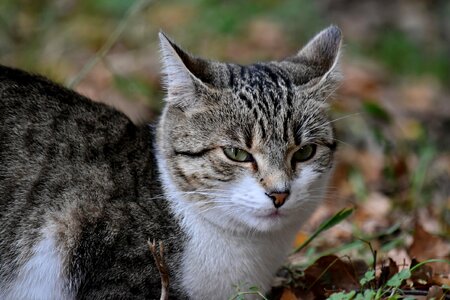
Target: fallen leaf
x,y
288,295
300,238
371,214
427,246
400,256
435,292
387,272
330,273
422,276
441,280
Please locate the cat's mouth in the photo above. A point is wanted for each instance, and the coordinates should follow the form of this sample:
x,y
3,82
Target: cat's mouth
x,y
272,214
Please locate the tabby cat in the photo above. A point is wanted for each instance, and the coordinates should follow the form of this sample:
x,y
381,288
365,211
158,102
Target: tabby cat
x,y
239,159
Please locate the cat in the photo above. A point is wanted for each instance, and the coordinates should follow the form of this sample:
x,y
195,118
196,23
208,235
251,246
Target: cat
x,y
238,160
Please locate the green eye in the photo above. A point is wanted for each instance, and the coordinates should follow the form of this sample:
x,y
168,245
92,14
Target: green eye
x,y
304,153
238,155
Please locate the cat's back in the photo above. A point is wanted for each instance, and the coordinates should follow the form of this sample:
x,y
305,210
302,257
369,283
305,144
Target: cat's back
x,y
31,105
27,98
50,133
24,92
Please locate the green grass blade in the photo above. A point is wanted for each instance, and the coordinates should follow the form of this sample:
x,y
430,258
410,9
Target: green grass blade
x,y
336,219
429,261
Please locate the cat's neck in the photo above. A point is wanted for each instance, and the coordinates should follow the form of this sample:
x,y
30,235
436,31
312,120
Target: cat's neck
x,y
229,260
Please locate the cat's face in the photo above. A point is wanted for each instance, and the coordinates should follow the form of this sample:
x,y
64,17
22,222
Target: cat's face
x,y
249,147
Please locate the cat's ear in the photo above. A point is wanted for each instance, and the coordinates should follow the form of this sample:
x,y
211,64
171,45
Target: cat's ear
x,y
317,63
183,73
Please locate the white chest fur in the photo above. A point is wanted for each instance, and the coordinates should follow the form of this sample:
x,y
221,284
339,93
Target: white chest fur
x,y
41,277
215,262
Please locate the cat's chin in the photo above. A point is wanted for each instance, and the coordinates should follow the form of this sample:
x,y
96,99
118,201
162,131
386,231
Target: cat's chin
x,y
275,220
252,222
269,223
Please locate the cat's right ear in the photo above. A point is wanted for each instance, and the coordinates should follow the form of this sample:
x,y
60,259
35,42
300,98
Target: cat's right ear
x,y
180,71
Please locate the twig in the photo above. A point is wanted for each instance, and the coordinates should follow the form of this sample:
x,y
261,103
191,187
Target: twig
x,y
131,12
321,274
162,268
12,35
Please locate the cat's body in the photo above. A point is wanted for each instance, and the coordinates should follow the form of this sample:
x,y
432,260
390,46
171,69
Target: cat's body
x,y
82,189
77,179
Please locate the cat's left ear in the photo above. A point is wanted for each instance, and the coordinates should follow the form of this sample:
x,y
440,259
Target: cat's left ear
x,y
316,65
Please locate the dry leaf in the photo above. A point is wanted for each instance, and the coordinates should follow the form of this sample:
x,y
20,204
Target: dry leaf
x,y
330,273
288,295
387,272
435,292
300,238
427,246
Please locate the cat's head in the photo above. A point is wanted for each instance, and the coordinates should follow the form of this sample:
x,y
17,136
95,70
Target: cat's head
x,y
249,147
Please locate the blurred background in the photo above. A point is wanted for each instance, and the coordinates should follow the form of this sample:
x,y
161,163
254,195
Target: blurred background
x,y
392,112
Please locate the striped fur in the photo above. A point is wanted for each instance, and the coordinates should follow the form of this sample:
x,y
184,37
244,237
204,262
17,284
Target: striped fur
x,y
82,189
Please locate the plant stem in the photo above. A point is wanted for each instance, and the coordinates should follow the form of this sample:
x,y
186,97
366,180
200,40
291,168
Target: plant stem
x,y
113,38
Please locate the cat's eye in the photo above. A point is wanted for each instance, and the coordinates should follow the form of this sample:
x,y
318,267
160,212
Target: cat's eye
x,y
304,153
238,155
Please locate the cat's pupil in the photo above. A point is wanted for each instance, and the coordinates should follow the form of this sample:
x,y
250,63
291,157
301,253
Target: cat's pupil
x,y
238,155
304,153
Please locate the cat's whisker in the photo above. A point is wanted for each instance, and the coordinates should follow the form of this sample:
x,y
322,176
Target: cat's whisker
x,y
342,142
178,194
209,190
194,192
327,124
322,189
305,205
344,117
216,207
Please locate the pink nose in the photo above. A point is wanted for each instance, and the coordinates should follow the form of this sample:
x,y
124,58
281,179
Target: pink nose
x,y
278,199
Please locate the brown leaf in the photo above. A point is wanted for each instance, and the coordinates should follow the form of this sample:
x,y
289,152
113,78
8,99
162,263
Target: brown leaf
x,y
422,276
304,295
427,246
288,295
400,256
330,273
387,272
420,96
435,292
361,82
300,238
372,213
441,280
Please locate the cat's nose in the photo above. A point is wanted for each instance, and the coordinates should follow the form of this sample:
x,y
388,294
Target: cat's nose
x,y
278,198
